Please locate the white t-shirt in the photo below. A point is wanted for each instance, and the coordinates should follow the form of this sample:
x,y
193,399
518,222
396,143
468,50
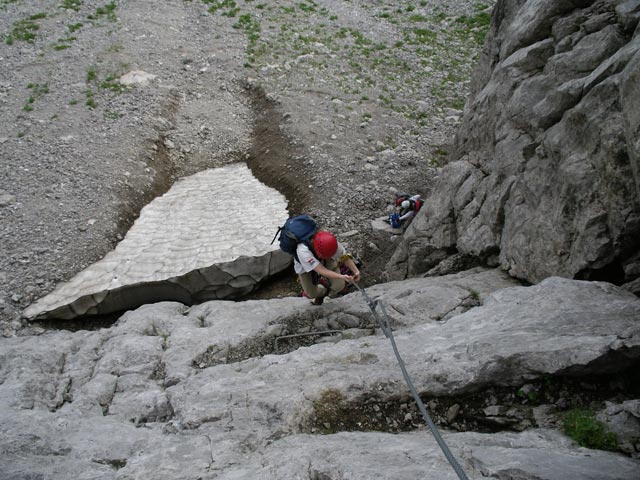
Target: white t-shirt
x,y
308,261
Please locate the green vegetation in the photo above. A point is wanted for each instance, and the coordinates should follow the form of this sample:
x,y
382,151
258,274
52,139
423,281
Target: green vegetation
x,y
220,4
71,4
475,25
92,74
24,30
251,27
107,11
64,43
91,103
439,45
37,91
75,27
111,83
582,426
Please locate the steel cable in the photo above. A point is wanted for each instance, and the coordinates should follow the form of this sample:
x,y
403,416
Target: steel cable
x,y
386,328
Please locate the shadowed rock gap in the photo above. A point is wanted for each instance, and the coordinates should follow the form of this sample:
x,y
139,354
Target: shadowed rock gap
x,y
540,402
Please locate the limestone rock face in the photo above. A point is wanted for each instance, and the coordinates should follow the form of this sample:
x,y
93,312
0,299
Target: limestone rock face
x,y
207,238
176,392
546,179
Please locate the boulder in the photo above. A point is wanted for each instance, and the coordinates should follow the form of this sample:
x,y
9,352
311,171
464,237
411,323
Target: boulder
x,y
136,77
544,180
188,245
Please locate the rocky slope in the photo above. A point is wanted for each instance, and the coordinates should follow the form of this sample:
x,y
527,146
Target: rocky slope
x,y
546,181
319,97
333,103
223,390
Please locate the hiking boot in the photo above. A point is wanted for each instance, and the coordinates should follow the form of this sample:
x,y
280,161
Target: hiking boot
x,y
317,301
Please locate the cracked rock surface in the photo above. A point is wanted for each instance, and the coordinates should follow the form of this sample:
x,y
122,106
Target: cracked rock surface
x,y
138,398
546,179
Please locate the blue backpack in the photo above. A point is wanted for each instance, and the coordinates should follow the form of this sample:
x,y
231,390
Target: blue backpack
x,y
294,231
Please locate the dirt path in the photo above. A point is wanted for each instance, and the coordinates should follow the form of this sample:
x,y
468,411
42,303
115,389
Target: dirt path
x,y
335,103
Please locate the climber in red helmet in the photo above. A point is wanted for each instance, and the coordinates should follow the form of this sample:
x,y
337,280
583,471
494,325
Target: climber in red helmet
x,y
324,259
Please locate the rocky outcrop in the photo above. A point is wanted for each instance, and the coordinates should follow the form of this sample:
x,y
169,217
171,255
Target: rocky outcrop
x,y
546,178
171,391
209,237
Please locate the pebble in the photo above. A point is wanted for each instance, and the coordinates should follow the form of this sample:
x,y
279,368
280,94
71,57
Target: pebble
x,y
6,199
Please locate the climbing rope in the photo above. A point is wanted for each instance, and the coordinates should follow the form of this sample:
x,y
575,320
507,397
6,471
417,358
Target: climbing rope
x,y
386,328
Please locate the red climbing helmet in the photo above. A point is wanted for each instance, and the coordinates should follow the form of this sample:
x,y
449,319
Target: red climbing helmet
x,y
325,244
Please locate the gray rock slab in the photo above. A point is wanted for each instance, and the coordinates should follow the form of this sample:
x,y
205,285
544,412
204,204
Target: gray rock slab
x,y
208,237
519,334
538,454
199,391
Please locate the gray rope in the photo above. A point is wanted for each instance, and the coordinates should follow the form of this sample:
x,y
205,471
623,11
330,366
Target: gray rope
x,y
386,328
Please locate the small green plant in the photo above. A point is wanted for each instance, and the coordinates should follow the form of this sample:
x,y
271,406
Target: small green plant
x,y
37,91
92,74
113,115
111,83
91,103
71,4
474,294
20,134
219,4
107,11
75,27
308,7
582,426
61,45
421,35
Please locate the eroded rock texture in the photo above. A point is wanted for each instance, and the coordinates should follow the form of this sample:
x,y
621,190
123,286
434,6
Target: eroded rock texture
x,y
209,237
547,178
176,392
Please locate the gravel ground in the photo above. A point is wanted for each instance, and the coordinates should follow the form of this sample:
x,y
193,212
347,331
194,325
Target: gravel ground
x,y
335,103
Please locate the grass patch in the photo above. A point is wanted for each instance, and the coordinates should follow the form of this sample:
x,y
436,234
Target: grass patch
x,y
475,26
112,83
24,30
92,74
71,4
90,102
309,7
582,426
107,11
74,27
420,36
37,91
